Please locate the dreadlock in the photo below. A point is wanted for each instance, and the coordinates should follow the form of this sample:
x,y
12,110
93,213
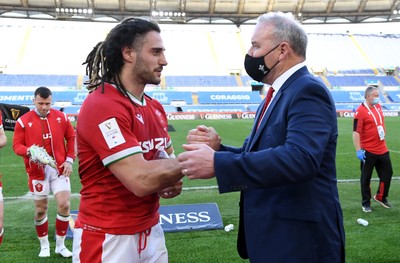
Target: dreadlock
x,y
105,61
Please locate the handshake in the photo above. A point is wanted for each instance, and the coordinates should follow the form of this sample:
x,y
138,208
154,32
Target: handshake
x,y
198,160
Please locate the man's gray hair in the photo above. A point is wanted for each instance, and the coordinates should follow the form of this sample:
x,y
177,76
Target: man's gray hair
x,y
369,90
288,29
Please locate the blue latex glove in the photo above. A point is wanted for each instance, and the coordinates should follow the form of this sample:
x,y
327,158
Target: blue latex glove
x,y
361,155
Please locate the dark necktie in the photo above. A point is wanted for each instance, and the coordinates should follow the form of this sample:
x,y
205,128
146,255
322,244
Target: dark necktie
x,y
267,101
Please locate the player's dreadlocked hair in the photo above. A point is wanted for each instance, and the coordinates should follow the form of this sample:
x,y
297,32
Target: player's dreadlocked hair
x,y
104,62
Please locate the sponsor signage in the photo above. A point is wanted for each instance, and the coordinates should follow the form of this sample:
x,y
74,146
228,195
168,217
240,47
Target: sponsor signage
x,y
350,114
186,217
175,218
26,97
211,116
229,97
184,116
10,114
72,117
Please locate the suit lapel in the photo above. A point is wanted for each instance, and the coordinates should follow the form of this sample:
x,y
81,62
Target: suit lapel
x,y
254,129
255,134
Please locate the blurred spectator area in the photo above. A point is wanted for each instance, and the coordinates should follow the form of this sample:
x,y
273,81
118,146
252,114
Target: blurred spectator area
x,y
205,66
209,52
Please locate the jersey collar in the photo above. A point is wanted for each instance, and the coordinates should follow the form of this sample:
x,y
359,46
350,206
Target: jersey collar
x,y
137,101
141,102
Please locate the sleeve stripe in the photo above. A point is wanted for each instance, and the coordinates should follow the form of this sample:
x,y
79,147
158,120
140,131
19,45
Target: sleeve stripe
x,y
20,122
120,155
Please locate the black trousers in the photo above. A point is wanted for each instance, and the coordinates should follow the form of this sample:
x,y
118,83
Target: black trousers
x,y
383,166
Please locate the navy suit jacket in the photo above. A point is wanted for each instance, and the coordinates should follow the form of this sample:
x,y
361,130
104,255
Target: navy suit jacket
x,y
286,172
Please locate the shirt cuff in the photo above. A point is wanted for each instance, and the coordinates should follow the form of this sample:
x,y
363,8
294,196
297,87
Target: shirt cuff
x,y
70,160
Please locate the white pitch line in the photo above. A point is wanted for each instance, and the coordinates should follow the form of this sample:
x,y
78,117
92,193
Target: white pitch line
x,y
28,196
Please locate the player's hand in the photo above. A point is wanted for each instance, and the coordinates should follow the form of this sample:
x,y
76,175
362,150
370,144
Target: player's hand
x,y
67,168
171,191
361,155
205,135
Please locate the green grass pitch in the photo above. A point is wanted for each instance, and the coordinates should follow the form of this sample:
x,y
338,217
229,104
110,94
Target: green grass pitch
x,y
379,242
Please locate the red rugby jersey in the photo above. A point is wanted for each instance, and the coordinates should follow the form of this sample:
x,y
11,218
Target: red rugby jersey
x,y
367,128
110,128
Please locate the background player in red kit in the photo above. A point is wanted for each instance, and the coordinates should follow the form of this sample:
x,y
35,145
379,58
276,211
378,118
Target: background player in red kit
x,y
119,131
52,130
3,142
371,149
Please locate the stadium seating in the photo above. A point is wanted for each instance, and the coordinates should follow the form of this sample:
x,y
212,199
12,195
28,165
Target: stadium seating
x,y
30,80
205,68
177,98
394,96
361,81
391,106
201,81
340,96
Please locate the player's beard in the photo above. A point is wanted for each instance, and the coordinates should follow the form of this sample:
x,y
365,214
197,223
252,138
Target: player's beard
x,y
146,74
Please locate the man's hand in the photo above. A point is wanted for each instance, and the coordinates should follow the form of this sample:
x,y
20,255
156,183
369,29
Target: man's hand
x,y
361,155
206,135
197,162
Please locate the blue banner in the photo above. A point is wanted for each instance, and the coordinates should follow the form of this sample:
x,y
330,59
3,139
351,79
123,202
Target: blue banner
x,y
26,97
186,217
175,218
224,97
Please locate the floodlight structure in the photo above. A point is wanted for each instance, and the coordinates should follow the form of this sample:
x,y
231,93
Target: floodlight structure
x,y
65,12
168,12
172,16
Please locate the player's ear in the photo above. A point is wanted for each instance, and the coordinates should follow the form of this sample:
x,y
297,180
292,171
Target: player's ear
x,y
129,54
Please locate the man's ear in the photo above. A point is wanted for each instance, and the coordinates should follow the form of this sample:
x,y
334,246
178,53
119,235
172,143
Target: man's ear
x,y
284,49
128,54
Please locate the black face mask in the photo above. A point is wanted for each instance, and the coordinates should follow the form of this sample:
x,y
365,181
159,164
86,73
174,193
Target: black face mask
x,y
256,67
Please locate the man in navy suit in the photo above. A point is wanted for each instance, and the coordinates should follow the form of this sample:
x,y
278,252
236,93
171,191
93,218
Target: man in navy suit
x,y
285,170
